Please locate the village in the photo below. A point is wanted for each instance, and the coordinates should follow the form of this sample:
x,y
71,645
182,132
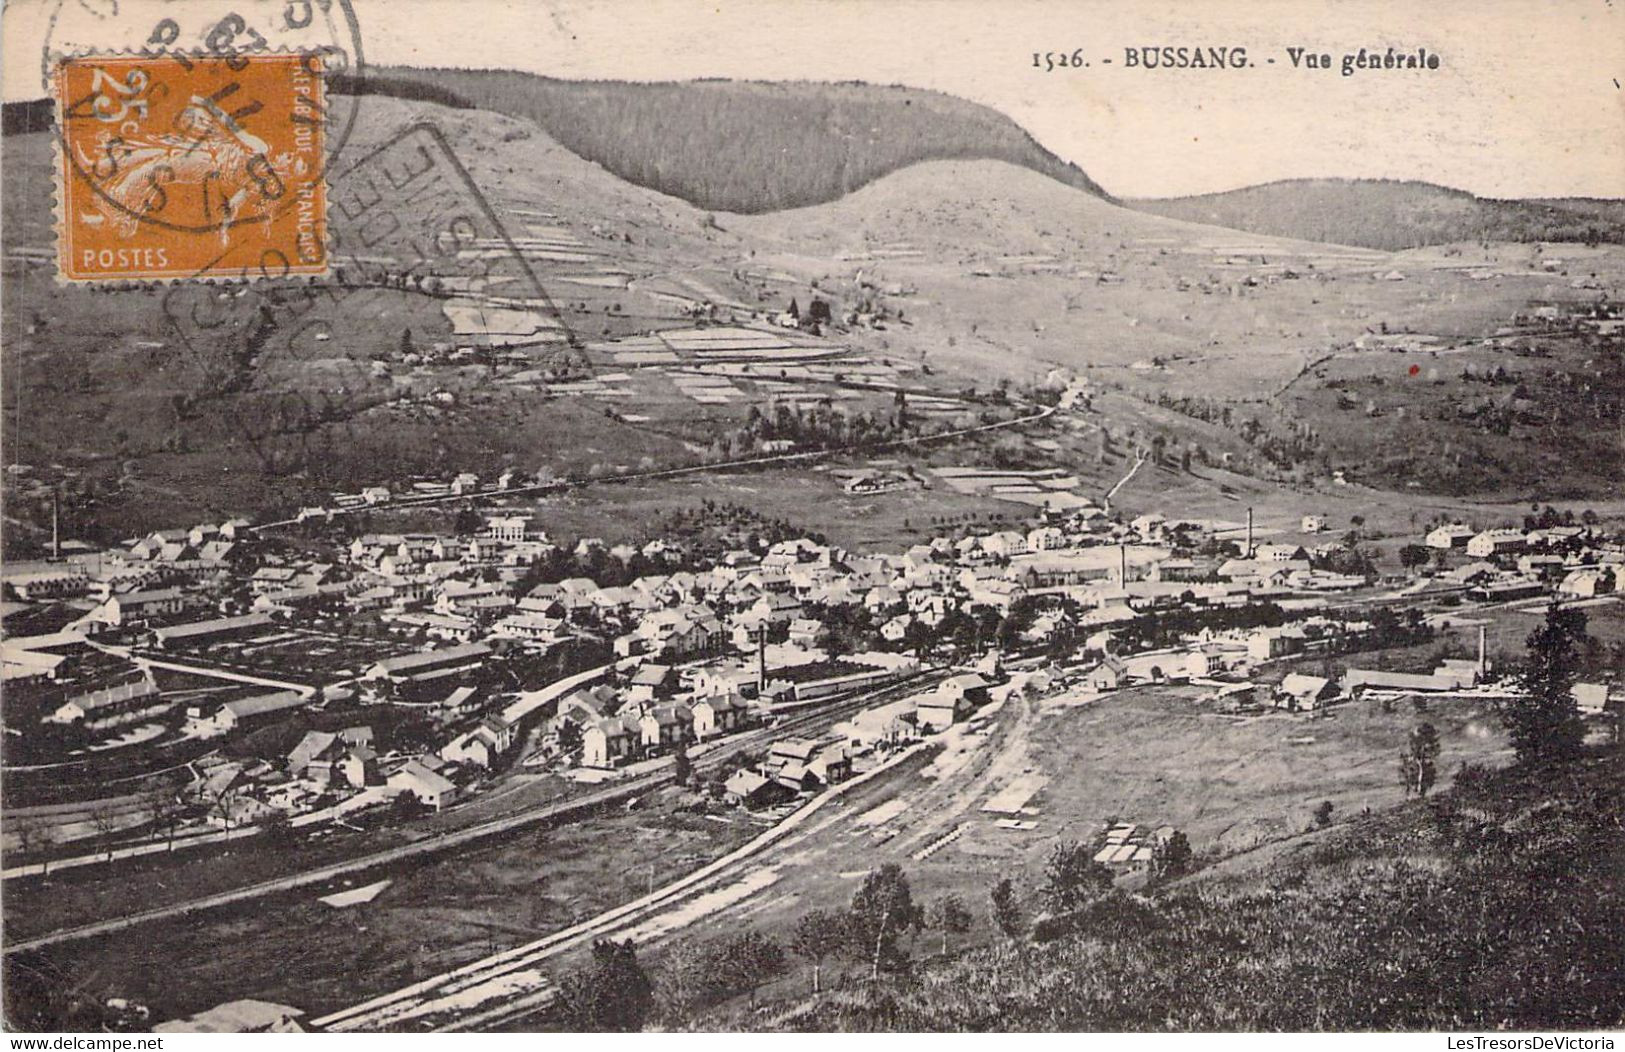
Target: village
x,y
249,681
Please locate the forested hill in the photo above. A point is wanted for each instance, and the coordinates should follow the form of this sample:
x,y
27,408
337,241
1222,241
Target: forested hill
x,y
738,146
1392,214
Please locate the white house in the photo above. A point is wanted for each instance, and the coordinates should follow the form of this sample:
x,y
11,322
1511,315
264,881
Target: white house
x,y
1497,542
421,778
512,529
233,714
1306,693
138,606
718,714
1108,675
1006,543
664,726
1045,538
1587,582
112,706
481,746
896,629
1455,535
1266,643
606,742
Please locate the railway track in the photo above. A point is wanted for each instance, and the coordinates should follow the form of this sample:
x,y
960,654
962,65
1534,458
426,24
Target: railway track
x,y
432,846
512,985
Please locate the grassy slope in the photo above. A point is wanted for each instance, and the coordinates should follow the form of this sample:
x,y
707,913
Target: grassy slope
x,y
96,374
99,381
1392,214
1495,904
741,146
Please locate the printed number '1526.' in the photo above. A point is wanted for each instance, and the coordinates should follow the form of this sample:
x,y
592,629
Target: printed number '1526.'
x,y
1049,61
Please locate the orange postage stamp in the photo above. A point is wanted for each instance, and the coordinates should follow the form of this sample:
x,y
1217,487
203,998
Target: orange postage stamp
x,y
180,166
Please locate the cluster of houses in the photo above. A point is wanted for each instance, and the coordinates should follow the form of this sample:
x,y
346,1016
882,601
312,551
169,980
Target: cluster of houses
x,y
1219,654
791,768
345,769
1506,563
463,484
616,727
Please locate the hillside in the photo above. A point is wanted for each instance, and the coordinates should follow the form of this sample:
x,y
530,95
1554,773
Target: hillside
x,y
979,270
739,146
1494,905
155,429
1392,214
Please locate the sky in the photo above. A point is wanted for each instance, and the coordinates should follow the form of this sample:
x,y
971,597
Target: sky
x,y
1526,101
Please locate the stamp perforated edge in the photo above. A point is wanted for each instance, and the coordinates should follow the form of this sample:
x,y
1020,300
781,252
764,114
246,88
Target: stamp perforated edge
x,y
59,176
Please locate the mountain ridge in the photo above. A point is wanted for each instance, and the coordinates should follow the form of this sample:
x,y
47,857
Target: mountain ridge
x,y
739,146
754,147
1392,214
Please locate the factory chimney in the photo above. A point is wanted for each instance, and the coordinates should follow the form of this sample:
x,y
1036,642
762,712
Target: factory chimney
x,y
1122,565
56,528
1248,554
761,661
1483,663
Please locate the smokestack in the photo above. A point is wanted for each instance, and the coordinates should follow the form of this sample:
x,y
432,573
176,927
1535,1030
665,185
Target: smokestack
x,y
1248,554
1122,565
761,661
56,531
1483,664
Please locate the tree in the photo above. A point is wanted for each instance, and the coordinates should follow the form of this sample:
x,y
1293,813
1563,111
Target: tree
x,y
682,765
405,807
612,993
882,909
750,959
468,521
223,804
948,916
917,637
1072,877
163,810
35,835
1323,814
1172,857
277,829
105,821
1004,909
817,935
1418,765
1542,718
569,736
1414,556
688,974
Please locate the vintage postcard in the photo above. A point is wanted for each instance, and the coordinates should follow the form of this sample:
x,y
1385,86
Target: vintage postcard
x,y
705,516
